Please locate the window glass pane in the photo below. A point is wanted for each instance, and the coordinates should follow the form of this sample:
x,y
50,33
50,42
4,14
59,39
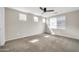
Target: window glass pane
x,y
53,23
43,20
61,22
22,17
35,19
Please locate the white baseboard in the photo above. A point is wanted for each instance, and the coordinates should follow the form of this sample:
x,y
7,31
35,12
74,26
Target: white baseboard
x,y
21,37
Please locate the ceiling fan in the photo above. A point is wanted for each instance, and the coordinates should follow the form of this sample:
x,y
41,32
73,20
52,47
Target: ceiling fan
x,y
45,10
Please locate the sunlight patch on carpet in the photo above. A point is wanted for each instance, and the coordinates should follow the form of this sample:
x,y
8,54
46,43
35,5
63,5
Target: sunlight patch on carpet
x,y
34,41
46,36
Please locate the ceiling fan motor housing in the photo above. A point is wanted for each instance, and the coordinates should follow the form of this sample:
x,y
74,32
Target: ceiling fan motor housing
x,y
44,9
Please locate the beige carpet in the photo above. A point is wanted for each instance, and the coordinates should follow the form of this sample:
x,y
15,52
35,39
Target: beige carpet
x,y
42,43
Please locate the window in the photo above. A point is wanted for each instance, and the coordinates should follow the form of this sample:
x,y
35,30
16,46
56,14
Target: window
x,y
53,23
57,22
22,17
43,20
35,19
61,22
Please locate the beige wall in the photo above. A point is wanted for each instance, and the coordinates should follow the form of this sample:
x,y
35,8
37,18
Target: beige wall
x,y
18,29
72,25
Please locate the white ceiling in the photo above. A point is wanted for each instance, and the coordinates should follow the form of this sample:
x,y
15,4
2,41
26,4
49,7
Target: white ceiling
x,y
37,11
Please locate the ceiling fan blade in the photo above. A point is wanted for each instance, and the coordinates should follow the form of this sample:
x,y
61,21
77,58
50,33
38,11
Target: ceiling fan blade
x,y
41,8
50,11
